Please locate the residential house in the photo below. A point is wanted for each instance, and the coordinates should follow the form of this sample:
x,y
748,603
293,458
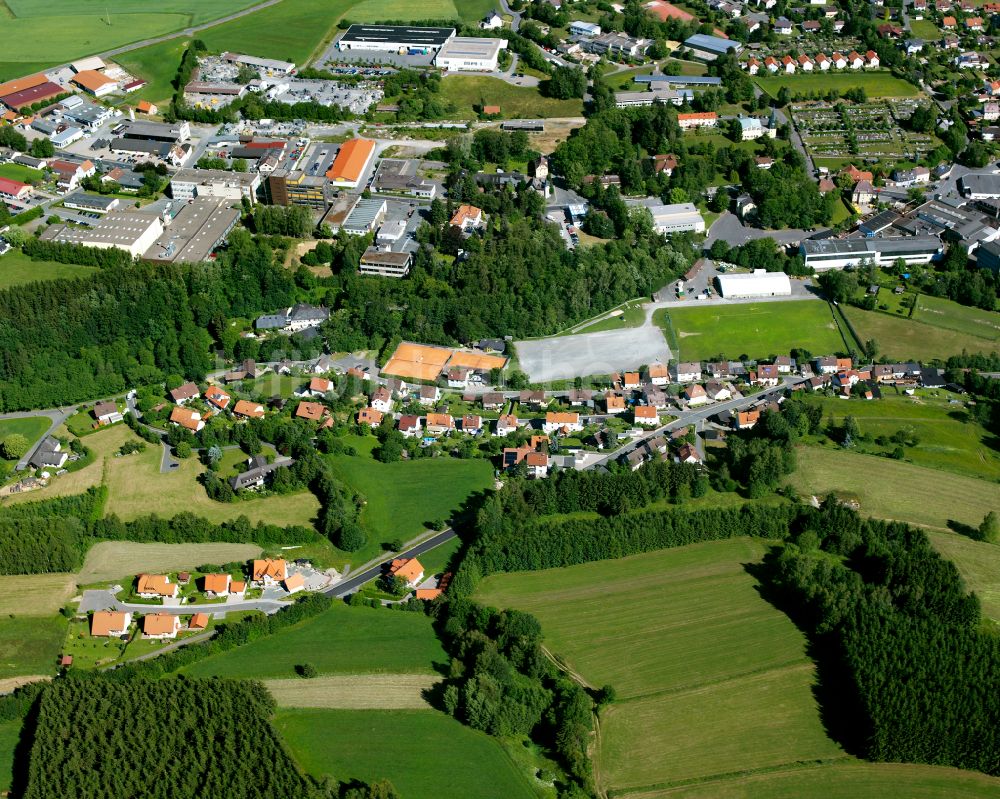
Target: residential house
x,y
805,62
687,372
655,396
772,65
185,417
785,364
766,374
614,403
294,583
688,453
695,395
429,395
788,65
783,26
506,425
871,60
535,399
409,570
717,392
409,425
864,193
705,119
396,386
106,413
110,624
492,401
753,66
744,420
633,459
312,411
371,417
581,396
566,422
658,374
216,585
974,23
838,61
268,572
472,424
645,415
199,621
155,586
316,387
665,164
458,377
382,399
160,626
467,218
49,454
825,364
218,398
184,394
822,62
437,424
248,410
855,61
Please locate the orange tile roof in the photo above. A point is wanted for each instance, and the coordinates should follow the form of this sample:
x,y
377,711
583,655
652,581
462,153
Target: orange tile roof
x,y
199,621
237,586
631,377
217,397
658,370
91,79
698,115
370,416
274,569
553,417
107,622
491,109
159,624
320,384
614,401
428,593
645,412
20,84
155,584
252,409
440,420
407,568
465,213
185,417
217,583
295,581
146,107
351,160
310,410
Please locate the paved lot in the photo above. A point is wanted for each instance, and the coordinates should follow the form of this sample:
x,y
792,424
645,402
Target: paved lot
x,y
730,229
565,357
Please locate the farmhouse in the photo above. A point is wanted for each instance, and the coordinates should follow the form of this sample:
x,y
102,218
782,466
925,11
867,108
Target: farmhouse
x,y
760,283
155,586
409,570
110,623
160,626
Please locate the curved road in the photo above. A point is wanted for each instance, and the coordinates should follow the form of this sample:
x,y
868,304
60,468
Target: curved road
x,y
515,16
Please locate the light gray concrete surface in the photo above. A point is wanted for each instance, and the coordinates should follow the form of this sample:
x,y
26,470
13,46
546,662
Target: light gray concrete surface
x,y
565,357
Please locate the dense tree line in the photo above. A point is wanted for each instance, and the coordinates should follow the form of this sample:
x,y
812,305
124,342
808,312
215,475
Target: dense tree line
x,y
69,340
66,253
916,676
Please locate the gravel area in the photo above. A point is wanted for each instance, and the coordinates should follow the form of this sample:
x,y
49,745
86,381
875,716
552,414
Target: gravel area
x,y
565,357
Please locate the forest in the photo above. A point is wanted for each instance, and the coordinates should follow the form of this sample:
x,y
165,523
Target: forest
x,y
129,325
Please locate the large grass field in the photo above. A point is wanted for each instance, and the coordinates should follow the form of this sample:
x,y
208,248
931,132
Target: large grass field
x,y
109,560
909,339
30,645
34,594
686,641
16,269
950,315
466,91
876,84
891,489
946,439
43,32
401,497
424,753
979,564
404,11
759,330
343,640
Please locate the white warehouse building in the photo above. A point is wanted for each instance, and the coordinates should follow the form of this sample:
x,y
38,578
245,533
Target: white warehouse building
x,y
759,283
826,254
677,218
470,54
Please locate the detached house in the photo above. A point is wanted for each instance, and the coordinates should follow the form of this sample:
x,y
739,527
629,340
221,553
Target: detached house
x,y
217,398
185,417
248,410
106,413
467,218
110,624
409,426
569,422
216,585
268,572
429,395
645,415
658,374
184,394
370,416
695,395
437,424
822,62
506,425
155,586
382,400
160,626
409,570
688,371
316,387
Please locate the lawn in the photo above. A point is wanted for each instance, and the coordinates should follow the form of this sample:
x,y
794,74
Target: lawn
x,y
424,753
950,315
343,640
466,91
759,330
946,438
31,427
686,640
25,174
891,489
924,29
10,734
979,564
631,316
35,594
876,84
406,11
30,645
401,498
110,560
908,339
16,269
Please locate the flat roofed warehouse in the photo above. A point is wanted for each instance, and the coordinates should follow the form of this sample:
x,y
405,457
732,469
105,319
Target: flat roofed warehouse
x,y
760,283
823,254
470,54
393,37
200,227
133,231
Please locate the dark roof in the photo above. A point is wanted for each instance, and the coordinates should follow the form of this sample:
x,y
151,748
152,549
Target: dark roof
x,y
257,472
417,37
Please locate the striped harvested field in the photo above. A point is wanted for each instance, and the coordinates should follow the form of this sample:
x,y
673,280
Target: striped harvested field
x,y
354,692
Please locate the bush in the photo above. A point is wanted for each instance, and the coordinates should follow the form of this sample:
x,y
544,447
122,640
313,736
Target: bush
x,y
306,671
14,446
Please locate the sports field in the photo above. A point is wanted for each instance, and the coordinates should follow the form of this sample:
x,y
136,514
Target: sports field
x,y
424,753
758,330
466,91
402,497
426,362
910,339
109,560
979,564
946,440
950,315
16,269
685,640
343,640
876,84
891,489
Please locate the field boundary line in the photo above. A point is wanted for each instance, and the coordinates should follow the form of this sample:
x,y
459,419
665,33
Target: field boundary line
x,y
792,664
6,10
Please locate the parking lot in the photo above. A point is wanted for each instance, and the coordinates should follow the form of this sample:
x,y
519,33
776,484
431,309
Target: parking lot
x,y
565,357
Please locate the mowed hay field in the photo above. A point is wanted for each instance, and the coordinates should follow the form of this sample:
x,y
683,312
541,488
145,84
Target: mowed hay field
x,y
354,692
876,84
908,339
35,594
342,640
950,315
979,564
403,11
466,91
424,753
710,678
890,489
758,330
109,560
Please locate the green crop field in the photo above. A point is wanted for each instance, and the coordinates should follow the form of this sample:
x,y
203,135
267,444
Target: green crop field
x,y
891,489
685,640
41,32
759,330
960,318
30,645
343,640
466,91
876,84
424,753
979,564
947,439
402,497
475,10
907,339
404,11
16,269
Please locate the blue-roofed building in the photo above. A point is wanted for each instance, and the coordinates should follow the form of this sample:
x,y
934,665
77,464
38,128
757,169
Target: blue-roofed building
x,y
680,80
708,48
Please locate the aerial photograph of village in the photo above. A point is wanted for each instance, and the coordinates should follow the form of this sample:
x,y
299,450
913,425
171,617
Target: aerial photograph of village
x,y
500,399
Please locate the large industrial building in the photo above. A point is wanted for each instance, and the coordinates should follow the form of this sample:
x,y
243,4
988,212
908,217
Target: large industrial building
x,y
708,48
394,39
132,231
187,184
467,54
677,218
195,232
759,283
826,254
351,163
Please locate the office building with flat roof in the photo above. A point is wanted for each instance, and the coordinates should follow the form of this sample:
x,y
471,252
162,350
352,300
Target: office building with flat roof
x,y
394,38
468,54
187,184
824,254
383,263
284,187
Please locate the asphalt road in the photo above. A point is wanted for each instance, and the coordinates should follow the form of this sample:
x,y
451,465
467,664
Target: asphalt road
x,y
56,417
354,582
